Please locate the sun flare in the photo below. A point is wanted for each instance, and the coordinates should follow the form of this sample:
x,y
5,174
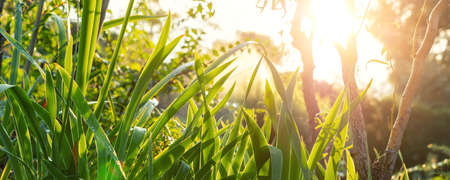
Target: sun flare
x,y
332,20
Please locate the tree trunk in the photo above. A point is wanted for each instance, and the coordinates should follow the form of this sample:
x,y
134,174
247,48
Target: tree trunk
x,y
384,167
304,44
358,136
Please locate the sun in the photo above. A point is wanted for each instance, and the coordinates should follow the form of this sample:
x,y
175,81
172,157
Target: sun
x,y
332,20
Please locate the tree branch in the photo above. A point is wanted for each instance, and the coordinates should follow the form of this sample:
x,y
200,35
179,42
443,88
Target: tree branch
x,y
383,167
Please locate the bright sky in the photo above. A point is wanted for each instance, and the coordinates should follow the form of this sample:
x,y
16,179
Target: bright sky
x,y
334,24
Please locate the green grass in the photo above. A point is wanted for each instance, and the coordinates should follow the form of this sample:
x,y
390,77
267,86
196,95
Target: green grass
x,y
67,138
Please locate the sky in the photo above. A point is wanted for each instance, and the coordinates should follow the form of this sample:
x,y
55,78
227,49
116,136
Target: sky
x,y
334,24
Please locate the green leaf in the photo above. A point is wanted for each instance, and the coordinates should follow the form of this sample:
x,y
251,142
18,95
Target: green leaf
x,y
184,172
351,171
15,61
21,49
62,38
50,95
8,149
205,170
120,21
4,87
136,139
190,91
152,65
227,54
252,78
68,56
114,59
13,156
239,156
259,143
288,128
336,154
26,107
158,86
168,157
103,144
269,100
276,159
326,133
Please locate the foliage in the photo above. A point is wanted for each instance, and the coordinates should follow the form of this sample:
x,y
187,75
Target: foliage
x,y
89,109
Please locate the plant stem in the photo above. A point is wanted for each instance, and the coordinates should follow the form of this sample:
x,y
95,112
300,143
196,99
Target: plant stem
x,y
84,45
94,37
112,65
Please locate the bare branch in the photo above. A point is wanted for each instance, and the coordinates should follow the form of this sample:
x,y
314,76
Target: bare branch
x,y
385,165
37,23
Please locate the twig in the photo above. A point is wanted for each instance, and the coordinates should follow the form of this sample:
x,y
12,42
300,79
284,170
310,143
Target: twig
x,y
37,23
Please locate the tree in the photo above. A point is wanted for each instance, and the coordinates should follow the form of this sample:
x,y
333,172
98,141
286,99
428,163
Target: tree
x,y
303,43
384,166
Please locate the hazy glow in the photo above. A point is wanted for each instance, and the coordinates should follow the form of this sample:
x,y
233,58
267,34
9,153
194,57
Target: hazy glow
x,y
332,21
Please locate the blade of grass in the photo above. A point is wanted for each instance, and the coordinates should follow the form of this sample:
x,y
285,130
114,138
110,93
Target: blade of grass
x,y
120,21
62,39
87,23
102,141
94,38
23,138
351,171
325,134
405,170
8,145
184,172
50,95
261,150
18,37
158,86
105,88
18,46
276,159
155,60
25,104
193,89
